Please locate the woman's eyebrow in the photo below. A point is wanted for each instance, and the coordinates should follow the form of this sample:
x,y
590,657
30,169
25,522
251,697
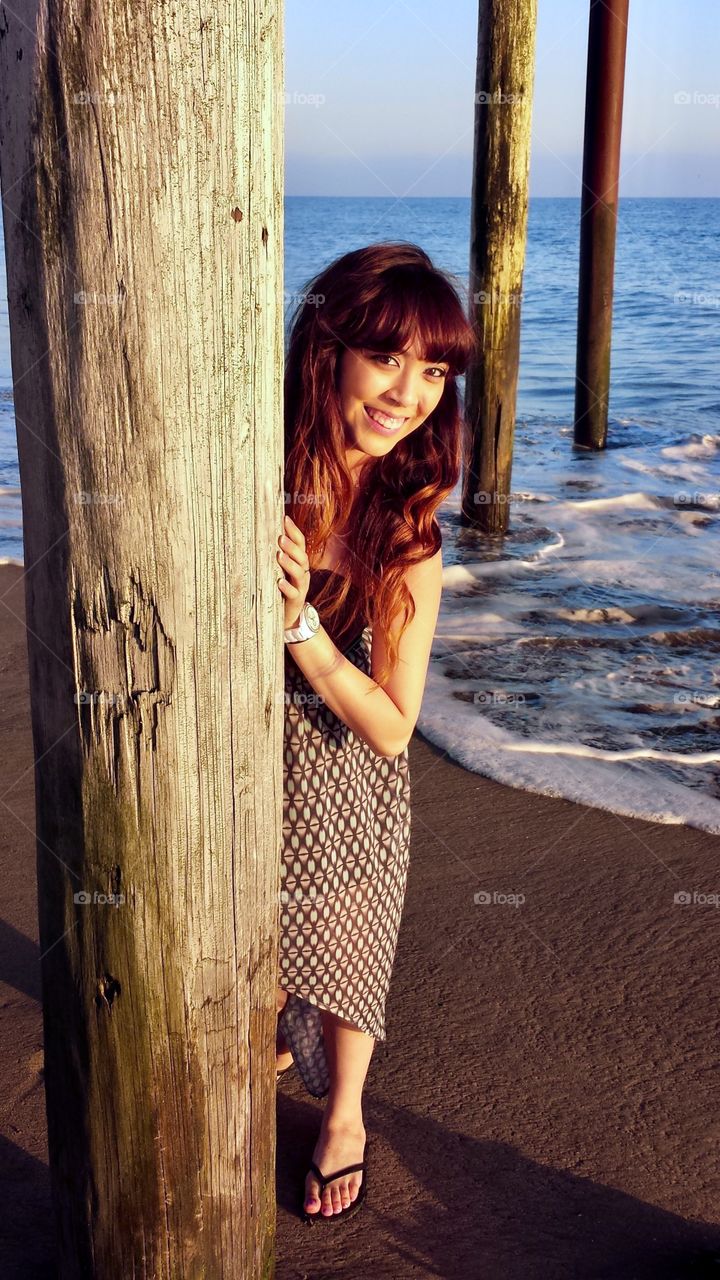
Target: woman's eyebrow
x,y
421,359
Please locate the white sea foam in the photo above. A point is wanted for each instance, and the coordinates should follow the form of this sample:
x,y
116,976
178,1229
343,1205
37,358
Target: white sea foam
x,y
601,780
577,656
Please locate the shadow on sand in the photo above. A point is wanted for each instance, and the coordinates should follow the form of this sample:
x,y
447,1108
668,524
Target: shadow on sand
x,y
441,1203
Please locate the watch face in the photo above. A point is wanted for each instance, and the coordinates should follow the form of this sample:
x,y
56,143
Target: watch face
x,y
312,616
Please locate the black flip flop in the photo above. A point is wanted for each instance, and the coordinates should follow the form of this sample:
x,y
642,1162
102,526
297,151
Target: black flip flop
x,y
324,1179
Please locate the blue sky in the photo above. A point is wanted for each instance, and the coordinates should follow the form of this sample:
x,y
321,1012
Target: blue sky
x,y
379,97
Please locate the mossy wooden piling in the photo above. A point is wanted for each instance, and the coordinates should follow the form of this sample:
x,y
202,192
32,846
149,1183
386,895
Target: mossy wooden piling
x,y
141,153
498,229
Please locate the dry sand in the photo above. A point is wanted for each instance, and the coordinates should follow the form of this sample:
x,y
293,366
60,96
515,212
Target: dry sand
x,y
546,1103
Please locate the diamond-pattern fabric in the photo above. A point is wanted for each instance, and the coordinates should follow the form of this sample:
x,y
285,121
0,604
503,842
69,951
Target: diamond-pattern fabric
x,y
346,841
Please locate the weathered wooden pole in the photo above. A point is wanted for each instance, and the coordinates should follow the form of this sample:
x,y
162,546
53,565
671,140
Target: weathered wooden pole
x,y
498,229
141,159
607,42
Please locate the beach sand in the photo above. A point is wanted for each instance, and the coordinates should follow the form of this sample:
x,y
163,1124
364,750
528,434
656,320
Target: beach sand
x,y
546,1103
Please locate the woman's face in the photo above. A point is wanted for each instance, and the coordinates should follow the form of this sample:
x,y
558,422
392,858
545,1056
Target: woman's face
x,y
384,397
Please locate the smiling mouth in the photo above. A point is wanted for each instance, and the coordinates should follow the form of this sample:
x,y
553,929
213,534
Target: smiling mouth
x,y
385,420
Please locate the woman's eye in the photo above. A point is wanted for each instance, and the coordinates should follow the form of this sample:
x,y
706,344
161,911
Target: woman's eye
x,y
383,355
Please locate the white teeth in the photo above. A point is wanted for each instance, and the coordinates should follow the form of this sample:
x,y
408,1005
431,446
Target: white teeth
x,y
384,419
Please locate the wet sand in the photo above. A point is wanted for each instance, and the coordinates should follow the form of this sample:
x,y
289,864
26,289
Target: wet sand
x,y
546,1104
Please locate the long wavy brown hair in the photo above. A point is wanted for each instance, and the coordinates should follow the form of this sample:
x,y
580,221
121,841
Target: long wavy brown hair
x,y
381,297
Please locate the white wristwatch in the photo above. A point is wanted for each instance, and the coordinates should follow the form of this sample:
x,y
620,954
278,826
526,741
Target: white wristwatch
x,y
308,624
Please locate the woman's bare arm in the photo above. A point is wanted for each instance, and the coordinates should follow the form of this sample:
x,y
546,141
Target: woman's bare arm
x,y
383,717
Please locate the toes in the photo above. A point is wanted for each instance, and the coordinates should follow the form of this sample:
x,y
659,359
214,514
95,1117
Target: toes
x,y
331,1200
345,1194
337,1197
312,1199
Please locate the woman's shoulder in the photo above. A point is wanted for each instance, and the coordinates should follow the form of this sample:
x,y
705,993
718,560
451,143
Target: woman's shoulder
x,y
427,553
426,569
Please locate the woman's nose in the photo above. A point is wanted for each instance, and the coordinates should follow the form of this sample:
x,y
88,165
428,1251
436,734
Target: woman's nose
x,y
404,392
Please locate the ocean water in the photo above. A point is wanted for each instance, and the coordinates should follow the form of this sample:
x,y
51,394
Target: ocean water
x,y
577,655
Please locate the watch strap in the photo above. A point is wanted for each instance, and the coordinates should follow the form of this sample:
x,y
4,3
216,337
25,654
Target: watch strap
x,y
304,630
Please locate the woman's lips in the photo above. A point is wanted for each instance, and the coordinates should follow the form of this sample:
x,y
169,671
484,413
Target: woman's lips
x,y
378,426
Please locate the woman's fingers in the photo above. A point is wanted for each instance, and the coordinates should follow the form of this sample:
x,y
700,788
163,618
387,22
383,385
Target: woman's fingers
x,y
295,565
292,554
291,531
294,570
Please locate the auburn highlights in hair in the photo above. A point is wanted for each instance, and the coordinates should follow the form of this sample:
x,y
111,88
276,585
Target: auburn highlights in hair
x,y
381,297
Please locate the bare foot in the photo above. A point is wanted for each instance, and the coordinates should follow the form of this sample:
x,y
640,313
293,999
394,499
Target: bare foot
x,y
337,1146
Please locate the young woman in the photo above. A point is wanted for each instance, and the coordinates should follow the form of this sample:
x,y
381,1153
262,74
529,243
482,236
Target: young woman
x,y
374,441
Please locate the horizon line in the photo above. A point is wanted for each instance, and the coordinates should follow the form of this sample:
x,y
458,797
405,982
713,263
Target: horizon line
x,y
320,195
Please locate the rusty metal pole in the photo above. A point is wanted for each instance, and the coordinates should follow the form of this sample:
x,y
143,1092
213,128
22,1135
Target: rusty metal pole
x,y
607,42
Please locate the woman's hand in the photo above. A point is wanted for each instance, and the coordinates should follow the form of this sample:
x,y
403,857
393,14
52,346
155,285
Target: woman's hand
x,y
294,562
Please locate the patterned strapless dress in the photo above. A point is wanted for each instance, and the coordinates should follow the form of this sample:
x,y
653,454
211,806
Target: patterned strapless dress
x,y
346,844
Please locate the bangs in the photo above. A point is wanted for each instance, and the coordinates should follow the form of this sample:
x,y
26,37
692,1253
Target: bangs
x,y
415,304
